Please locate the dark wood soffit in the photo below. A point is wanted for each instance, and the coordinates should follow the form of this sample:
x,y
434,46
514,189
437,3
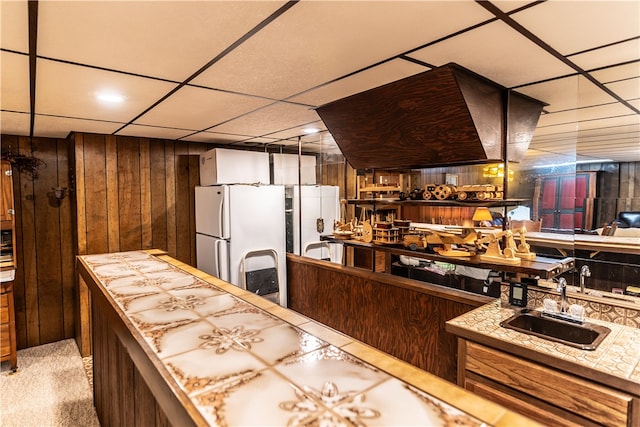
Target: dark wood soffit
x,y
413,122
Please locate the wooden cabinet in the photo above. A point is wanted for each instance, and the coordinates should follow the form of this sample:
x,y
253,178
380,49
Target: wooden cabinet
x,y
8,326
566,201
6,201
7,222
7,262
542,392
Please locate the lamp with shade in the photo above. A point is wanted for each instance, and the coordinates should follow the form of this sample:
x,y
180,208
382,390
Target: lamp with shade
x,y
481,214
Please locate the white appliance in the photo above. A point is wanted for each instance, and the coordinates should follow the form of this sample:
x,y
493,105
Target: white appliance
x,y
240,237
320,209
226,166
284,168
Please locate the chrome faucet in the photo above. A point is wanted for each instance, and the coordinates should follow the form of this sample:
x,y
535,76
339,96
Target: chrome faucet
x,y
584,272
562,288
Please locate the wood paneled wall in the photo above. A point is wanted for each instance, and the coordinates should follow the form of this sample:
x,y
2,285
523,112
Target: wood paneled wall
x,y
135,193
44,284
131,194
126,193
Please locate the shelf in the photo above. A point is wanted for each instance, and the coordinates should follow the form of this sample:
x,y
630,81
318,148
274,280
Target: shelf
x,y
543,267
449,203
380,189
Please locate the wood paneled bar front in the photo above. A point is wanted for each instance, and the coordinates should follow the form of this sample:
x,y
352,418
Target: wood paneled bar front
x,y
175,346
400,316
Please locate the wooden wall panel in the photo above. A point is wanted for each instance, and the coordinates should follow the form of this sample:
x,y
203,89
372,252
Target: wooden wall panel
x,y
183,229
159,214
95,204
44,284
29,254
67,241
629,187
47,242
138,194
402,321
129,190
145,193
113,201
170,185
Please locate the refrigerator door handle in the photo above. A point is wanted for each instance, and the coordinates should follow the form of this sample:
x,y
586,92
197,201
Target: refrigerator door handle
x,y
218,250
221,224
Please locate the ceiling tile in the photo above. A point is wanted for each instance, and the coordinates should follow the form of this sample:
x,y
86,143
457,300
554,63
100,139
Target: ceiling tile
x,y
620,72
583,115
14,90
300,131
14,123
318,41
169,39
198,108
626,89
574,26
548,130
69,90
271,119
611,123
560,94
498,53
14,25
214,138
153,132
377,76
616,54
60,127
509,5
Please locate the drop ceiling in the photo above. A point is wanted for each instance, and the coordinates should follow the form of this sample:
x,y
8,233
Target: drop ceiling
x,y
252,73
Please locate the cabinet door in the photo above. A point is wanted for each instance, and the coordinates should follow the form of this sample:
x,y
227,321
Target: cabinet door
x,y
567,201
6,199
558,391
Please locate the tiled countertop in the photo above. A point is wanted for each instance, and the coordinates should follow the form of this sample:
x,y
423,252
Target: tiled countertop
x,y
242,360
616,361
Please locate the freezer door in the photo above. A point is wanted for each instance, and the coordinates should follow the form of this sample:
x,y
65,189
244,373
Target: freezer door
x,y
212,211
212,256
257,223
320,208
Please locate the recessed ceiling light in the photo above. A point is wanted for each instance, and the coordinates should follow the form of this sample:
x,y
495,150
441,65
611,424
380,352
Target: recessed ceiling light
x,y
110,97
309,131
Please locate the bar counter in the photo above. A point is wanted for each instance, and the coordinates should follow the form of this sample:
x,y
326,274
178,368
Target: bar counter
x,y
173,345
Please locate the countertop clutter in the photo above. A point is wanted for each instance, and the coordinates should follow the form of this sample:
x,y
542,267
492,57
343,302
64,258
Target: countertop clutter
x,y
233,358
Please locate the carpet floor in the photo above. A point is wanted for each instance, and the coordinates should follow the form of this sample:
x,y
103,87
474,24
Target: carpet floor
x,y
50,388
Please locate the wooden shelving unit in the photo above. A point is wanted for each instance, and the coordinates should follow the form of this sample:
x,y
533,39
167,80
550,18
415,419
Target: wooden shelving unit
x,y
543,267
449,203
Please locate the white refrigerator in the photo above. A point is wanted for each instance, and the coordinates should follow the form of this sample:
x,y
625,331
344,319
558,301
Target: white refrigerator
x,y
320,206
240,237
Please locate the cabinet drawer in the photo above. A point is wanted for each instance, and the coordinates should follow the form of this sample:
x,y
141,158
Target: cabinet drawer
x,y
572,394
4,300
5,340
526,405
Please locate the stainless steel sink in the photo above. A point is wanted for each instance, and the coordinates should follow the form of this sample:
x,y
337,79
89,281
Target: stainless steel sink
x,y
585,336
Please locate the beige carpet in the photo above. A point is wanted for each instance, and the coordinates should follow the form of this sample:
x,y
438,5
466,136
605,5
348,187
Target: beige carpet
x,y
50,388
